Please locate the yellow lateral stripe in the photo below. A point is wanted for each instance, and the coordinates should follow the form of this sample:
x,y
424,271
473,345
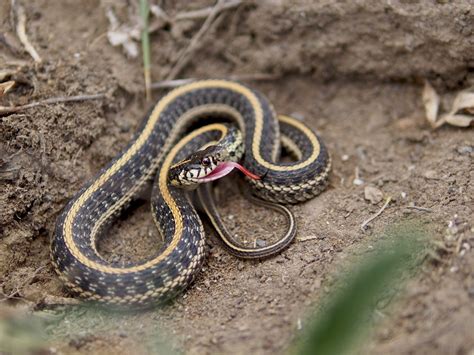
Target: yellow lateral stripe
x,y
166,196
141,140
309,134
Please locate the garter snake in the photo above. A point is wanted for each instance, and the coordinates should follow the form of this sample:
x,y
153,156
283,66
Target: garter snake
x,y
156,147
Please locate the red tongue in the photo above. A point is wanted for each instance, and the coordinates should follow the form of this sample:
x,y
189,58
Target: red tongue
x,y
225,168
246,172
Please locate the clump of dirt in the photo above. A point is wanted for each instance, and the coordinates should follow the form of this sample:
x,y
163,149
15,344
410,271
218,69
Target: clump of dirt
x,y
351,72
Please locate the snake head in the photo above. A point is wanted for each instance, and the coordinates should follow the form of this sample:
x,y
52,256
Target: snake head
x,y
206,165
194,169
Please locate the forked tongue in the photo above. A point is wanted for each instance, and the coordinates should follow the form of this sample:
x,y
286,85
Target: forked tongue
x,y
225,168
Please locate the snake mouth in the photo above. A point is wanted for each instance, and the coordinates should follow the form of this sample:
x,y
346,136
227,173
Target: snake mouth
x,y
225,168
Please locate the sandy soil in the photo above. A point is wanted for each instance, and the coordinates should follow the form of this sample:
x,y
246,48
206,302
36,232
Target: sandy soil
x,y
350,71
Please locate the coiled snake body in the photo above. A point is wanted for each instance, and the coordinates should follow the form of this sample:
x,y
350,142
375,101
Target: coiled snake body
x,y
157,149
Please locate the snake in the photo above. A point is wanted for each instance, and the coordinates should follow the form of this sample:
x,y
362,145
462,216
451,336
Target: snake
x,y
195,134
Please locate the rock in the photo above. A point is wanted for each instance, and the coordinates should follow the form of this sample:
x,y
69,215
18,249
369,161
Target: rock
x,y
431,175
373,194
260,243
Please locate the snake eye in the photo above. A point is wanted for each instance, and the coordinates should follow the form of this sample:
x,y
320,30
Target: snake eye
x,y
206,161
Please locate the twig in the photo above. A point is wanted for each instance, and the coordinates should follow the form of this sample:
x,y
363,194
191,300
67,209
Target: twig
x,y
159,13
357,180
459,244
418,208
21,285
6,110
308,237
203,13
254,77
163,18
169,84
21,31
185,54
144,13
366,222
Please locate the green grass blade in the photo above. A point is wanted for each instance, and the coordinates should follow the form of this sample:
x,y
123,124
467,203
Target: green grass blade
x,y
340,326
144,14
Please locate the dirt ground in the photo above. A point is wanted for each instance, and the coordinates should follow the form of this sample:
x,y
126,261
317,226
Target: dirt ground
x,y
349,70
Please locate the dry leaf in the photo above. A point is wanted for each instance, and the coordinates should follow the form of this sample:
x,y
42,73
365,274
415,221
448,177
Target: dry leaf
x,y
431,102
441,121
5,87
121,35
459,120
463,101
124,39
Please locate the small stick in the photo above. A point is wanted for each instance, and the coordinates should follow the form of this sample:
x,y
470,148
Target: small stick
x,y
164,18
159,13
365,223
418,208
21,285
169,84
185,54
459,244
254,77
6,110
304,239
205,12
21,31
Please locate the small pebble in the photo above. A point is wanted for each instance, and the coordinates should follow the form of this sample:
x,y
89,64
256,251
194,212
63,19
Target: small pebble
x,y
373,194
466,149
260,243
298,115
431,175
